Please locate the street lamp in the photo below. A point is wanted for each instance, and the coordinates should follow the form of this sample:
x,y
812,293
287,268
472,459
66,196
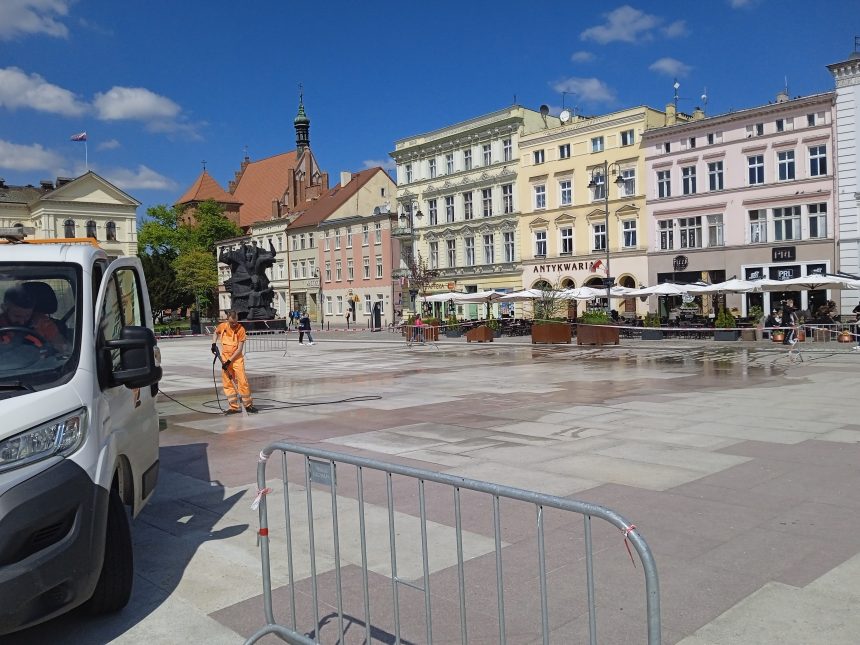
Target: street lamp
x,y
603,171
409,220
318,276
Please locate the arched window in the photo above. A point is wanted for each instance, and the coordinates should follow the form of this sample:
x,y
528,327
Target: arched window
x,y
69,228
91,229
110,232
567,283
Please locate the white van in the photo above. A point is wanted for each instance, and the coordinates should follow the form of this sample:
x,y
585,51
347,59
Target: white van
x,y
78,426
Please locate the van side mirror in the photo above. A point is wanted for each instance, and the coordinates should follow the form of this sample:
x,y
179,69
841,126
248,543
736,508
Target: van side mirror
x,y
136,347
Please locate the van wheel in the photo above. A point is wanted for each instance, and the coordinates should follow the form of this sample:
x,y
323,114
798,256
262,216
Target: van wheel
x,y
114,586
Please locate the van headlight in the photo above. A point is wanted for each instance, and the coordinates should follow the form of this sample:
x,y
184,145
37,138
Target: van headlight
x,y
62,436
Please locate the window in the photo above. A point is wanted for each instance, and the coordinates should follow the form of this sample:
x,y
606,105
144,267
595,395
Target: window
x,y
326,242
810,120
434,255
780,125
488,155
540,244
487,201
759,129
91,229
564,151
432,212
432,167
310,240
538,156
365,234
449,209
688,180
817,161
628,188
340,305
567,241
715,230
303,269
786,223
508,198
817,220
378,266
377,233
597,144
468,213
710,138
598,192
328,305
667,147
350,269
715,175
691,232
336,239
691,143
507,150
302,241
470,251
664,184
449,167
367,304
509,247
667,234
408,175
327,271
599,231
785,164
295,269
467,159
629,229
627,138
758,226
489,249
366,268
452,252
348,237
540,197
121,307
110,232
756,169
338,270
565,192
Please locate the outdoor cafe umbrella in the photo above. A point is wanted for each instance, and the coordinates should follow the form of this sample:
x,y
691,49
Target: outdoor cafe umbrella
x,y
665,289
478,297
525,294
733,285
809,282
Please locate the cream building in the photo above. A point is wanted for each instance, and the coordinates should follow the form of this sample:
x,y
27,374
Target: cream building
x,y
459,187
88,206
563,227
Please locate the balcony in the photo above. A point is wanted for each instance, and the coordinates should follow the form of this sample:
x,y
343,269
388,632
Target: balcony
x,y
401,231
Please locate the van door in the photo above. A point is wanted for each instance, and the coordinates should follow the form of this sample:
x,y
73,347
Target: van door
x,y
129,421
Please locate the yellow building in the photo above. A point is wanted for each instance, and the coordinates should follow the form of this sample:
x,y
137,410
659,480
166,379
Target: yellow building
x,y
564,226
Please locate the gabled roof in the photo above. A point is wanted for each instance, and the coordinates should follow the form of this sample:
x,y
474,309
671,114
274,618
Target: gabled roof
x,y
261,182
206,188
78,187
330,201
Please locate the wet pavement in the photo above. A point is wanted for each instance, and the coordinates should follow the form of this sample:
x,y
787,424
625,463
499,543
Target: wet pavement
x,y
738,466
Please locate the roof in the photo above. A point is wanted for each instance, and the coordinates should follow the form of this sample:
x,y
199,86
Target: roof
x,y
330,201
20,194
260,183
206,188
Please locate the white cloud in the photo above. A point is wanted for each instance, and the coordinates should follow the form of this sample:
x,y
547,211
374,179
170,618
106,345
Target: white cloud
x,y
110,144
582,57
141,179
25,17
33,157
385,164
20,90
741,4
675,29
670,67
624,24
134,103
587,90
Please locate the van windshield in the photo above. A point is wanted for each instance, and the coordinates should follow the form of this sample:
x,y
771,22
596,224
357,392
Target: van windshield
x,y
40,317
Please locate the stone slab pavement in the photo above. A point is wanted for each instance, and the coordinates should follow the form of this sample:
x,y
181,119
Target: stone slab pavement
x,y
737,466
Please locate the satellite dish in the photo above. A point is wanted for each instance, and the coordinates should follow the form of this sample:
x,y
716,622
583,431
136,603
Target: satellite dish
x,y
564,117
544,110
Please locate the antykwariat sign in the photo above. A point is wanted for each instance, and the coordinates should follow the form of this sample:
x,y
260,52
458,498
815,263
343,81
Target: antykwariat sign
x,y
565,266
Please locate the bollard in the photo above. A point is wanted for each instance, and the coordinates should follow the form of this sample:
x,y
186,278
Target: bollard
x,y
328,326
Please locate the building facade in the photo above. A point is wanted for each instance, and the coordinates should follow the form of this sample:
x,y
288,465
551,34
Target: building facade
x,y
458,194
747,194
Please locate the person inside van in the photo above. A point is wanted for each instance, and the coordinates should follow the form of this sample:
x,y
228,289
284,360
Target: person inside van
x,y
232,336
19,311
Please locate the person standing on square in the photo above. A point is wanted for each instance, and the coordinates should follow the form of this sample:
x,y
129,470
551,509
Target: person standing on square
x,y
305,328
232,336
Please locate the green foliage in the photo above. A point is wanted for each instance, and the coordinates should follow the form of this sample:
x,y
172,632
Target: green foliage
x,y
548,306
197,274
756,313
596,317
494,324
452,320
431,322
161,281
651,320
724,320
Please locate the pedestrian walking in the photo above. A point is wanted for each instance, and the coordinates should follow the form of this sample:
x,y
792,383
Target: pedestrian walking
x,y
305,328
232,337
789,319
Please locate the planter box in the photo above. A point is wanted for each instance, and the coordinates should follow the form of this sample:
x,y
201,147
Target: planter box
x,y
551,333
751,334
482,334
596,335
652,334
725,334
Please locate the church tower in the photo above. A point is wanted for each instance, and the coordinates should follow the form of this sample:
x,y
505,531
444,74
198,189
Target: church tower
x,y
303,125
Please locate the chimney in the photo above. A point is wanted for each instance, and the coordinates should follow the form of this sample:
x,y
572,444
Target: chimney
x,y
2,183
276,209
345,177
671,117
46,184
782,97
62,181
698,114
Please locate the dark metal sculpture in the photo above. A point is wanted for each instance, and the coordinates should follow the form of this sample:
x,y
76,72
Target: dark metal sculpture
x,y
250,294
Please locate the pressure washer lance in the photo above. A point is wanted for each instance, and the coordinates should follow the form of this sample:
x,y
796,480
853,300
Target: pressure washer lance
x,y
231,374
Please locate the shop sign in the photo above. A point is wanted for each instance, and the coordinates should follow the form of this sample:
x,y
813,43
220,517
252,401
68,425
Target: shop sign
x,y
755,274
680,263
784,253
451,286
313,283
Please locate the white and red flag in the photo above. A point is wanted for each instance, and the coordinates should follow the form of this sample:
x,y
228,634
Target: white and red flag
x,y
81,136
598,266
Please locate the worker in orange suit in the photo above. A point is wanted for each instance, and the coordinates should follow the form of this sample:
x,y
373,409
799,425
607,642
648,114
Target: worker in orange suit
x,y
232,336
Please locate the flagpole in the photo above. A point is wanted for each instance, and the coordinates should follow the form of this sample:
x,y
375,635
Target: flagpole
x,y
86,157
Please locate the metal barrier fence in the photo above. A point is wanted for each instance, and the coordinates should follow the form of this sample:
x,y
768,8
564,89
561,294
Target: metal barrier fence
x,y
266,341
321,468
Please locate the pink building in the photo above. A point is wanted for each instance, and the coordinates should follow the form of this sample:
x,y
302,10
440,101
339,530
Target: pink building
x,y
748,194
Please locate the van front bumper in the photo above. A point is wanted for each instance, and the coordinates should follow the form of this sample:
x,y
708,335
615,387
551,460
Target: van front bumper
x,y
52,532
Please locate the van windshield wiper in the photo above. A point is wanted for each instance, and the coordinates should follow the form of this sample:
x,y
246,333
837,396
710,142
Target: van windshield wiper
x,y
16,385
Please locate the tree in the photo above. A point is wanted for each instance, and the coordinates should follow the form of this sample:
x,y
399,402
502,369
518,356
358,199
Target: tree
x,y
420,276
548,306
161,281
196,274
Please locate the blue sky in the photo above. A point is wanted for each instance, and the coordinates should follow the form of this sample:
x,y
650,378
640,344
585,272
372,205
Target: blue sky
x,y
160,85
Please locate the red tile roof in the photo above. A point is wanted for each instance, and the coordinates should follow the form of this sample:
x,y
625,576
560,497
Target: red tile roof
x,y
333,199
206,188
261,182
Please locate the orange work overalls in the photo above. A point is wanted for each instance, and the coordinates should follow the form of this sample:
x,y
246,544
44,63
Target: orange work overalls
x,y
230,340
